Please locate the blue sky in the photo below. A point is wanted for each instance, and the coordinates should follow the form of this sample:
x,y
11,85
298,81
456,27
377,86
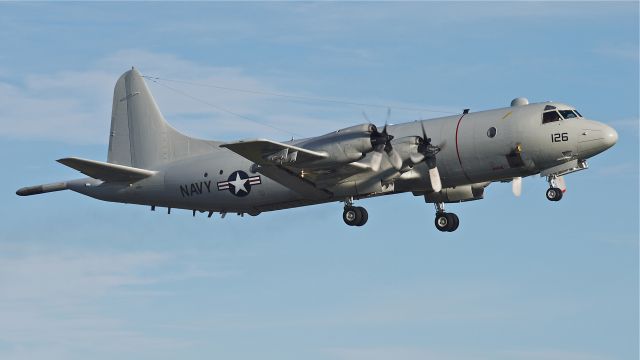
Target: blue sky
x,y
521,278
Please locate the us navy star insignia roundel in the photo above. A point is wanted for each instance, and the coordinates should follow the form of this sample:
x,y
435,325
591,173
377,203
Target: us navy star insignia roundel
x,y
239,183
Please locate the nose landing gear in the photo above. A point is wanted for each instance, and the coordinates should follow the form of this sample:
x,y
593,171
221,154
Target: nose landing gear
x,y
446,222
554,193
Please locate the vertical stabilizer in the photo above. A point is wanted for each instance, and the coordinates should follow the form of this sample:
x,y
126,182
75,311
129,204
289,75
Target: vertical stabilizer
x,y
119,148
140,136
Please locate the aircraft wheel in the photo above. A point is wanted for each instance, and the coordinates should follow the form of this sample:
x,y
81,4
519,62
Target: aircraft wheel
x,y
554,194
447,221
442,221
352,216
454,222
364,216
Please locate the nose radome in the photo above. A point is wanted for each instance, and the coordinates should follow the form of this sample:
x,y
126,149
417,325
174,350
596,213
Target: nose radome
x,y
595,138
610,136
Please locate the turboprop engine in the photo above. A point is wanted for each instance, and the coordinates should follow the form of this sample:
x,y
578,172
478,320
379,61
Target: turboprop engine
x,y
354,143
349,144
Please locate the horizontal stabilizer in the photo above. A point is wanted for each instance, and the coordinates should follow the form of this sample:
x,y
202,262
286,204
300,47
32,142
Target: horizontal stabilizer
x,y
106,171
268,152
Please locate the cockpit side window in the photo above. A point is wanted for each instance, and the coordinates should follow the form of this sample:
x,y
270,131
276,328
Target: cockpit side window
x,y
568,114
579,115
550,116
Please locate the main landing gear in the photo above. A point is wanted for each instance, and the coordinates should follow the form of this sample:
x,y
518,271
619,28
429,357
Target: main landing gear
x,y
554,193
354,215
446,222
358,216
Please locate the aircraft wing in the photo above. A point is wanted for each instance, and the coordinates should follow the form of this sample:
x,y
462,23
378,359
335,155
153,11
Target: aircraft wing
x,y
282,163
268,152
106,171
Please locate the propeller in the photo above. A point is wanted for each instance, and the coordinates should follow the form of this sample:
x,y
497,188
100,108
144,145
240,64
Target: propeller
x,y
516,186
381,142
434,177
427,153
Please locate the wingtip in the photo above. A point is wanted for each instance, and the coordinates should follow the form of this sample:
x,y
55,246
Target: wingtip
x,y
67,160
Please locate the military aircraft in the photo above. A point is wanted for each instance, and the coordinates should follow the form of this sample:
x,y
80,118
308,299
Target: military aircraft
x,y
446,160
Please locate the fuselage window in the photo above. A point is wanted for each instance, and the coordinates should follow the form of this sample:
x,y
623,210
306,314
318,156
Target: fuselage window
x,y
491,132
550,116
568,114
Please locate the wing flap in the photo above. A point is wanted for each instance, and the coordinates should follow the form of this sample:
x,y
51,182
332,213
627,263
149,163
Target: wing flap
x,y
106,171
296,183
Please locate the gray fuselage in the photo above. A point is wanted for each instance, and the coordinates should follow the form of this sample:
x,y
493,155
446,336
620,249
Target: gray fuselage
x,y
486,146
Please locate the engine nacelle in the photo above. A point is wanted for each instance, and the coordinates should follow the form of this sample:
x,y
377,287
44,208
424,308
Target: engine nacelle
x,y
343,146
405,147
458,193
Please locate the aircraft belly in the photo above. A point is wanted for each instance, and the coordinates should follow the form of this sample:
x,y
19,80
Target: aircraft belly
x,y
220,200
270,192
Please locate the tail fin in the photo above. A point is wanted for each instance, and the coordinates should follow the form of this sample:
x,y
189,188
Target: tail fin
x,y
140,136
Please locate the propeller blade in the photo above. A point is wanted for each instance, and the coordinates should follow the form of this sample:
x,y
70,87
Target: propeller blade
x,y
364,114
416,158
388,116
516,186
395,159
434,177
427,152
376,160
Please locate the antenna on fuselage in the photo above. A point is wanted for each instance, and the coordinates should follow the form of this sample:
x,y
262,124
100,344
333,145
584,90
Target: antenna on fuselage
x,y
519,101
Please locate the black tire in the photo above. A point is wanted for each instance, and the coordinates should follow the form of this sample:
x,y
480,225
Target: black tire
x,y
455,222
554,194
364,216
442,222
351,216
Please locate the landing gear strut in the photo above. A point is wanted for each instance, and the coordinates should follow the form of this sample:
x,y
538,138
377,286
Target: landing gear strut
x,y
554,193
354,215
445,221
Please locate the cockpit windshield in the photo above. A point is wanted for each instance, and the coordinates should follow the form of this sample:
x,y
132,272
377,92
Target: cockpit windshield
x,y
552,114
568,114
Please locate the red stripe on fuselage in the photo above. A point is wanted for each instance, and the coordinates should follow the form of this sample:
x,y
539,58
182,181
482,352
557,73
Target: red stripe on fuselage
x,y
457,148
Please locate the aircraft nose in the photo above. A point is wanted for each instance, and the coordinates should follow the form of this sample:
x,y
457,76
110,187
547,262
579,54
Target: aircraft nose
x,y
610,136
595,138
